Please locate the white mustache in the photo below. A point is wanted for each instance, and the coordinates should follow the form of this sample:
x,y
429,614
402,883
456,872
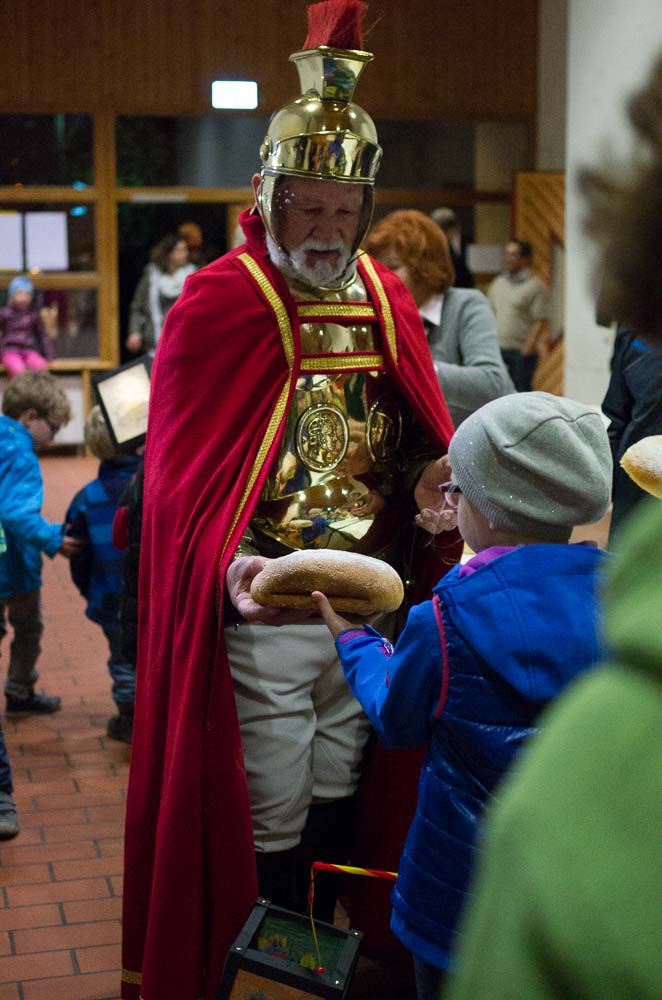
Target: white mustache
x,y
321,246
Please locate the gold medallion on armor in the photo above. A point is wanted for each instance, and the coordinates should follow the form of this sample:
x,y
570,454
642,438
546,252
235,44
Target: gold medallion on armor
x,y
383,429
322,437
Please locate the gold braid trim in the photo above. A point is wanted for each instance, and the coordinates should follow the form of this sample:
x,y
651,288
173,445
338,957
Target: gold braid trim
x,y
283,320
389,325
276,303
340,363
360,310
134,978
274,424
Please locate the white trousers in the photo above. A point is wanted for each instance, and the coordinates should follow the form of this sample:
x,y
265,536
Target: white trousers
x,y
302,731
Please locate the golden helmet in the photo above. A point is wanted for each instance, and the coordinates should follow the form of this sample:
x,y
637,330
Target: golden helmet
x,y
322,134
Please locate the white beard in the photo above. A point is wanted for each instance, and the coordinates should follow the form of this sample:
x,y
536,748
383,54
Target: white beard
x,y
323,274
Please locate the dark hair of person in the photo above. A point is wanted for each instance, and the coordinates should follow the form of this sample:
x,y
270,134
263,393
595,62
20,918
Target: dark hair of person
x,y
445,218
525,249
420,244
164,248
624,217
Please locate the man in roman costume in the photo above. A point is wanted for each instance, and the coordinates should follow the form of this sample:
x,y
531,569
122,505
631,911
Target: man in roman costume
x,y
294,405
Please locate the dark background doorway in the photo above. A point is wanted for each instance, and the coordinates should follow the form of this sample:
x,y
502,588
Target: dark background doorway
x,y
140,227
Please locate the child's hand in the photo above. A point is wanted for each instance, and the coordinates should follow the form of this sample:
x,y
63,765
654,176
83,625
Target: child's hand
x,y
134,342
436,521
70,546
334,622
426,491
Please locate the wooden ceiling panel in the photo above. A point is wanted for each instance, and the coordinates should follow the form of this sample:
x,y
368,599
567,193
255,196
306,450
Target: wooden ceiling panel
x,y
450,59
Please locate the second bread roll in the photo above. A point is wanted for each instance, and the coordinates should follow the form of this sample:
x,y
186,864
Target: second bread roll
x,y
643,464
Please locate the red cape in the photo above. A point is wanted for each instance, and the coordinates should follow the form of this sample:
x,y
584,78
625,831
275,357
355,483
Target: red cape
x,y
222,382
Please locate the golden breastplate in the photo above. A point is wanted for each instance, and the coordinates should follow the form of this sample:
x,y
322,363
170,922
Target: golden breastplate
x,y
334,483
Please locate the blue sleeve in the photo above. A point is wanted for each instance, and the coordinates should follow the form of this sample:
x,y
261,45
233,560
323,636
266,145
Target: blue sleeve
x,y
398,688
20,507
80,565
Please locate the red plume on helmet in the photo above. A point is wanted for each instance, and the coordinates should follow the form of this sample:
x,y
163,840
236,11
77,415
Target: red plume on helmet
x,y
336,23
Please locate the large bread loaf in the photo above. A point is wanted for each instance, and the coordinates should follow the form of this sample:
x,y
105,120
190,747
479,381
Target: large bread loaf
x,y
353,583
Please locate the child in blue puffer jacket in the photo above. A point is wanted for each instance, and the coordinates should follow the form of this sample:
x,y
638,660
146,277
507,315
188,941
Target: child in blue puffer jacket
x,y
502,635
97,569
34,408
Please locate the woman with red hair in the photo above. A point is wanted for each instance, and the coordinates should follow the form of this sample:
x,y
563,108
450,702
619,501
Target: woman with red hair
x,y
459,322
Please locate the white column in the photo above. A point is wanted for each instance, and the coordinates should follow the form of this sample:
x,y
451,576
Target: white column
x,y
611,46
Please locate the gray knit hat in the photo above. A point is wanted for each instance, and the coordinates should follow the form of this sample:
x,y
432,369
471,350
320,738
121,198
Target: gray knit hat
x,y
534,463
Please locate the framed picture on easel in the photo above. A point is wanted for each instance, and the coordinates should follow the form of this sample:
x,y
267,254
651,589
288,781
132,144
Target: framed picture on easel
x,y
123,396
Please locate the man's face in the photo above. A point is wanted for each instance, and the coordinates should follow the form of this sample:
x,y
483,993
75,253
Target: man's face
x,y
512,258
317,223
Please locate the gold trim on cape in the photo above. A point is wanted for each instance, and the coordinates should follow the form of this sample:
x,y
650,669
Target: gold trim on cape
x,y
274,423
134,978
389,325
276,303
363,311
284,325
341,362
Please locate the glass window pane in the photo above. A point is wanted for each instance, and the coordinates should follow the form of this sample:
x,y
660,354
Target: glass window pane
x,y
46,149
70,318
426,154
140,228
223,151
188,152
79,228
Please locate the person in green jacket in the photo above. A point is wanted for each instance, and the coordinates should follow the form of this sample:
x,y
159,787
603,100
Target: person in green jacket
x,y
569,899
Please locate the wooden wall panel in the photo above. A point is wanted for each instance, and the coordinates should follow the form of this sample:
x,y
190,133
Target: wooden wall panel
x,y
539,215
439,60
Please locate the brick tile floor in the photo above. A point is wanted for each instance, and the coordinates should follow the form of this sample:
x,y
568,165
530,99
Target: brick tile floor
x,y
61,878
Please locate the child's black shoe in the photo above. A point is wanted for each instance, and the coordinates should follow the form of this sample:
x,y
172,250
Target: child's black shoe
x,y
8,819
120,727
37,704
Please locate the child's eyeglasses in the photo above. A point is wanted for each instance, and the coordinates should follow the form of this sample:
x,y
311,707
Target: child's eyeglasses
x,y
452,493
53,427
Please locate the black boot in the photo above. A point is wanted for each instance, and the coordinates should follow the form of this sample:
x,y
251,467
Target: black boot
x,y
120,727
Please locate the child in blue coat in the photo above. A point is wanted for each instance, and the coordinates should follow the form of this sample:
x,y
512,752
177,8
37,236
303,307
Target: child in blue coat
x,y
34,408
502,635
97,569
